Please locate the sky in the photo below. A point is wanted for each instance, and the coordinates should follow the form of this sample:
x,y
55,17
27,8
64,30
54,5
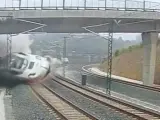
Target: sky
x,y
127,36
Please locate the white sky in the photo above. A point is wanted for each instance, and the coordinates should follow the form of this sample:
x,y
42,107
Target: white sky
x,y
125,36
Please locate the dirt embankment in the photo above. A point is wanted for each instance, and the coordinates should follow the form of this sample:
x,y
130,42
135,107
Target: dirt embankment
x,y
129,64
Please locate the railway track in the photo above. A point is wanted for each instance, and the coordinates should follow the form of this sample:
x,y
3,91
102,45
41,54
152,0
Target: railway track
x,y
62,108
127,108
120,80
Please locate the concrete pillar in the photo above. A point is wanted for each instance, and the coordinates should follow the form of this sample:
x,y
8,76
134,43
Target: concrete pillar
x,y
149,40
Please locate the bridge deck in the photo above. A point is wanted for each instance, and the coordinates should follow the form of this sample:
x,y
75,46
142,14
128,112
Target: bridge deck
x,y
72,21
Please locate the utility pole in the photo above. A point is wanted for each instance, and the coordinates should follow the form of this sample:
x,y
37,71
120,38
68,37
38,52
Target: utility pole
x,y
109,71
9,50
64,56
9,56
64,47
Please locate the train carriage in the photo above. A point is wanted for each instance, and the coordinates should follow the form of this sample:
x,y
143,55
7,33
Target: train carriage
x,y
29,67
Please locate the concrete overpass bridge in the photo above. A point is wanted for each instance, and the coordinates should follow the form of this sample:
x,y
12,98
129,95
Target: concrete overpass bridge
x,y
72,20
70,16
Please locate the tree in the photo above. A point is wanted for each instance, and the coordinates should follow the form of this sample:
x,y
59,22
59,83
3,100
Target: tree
x,y
120,39
116,53
130,48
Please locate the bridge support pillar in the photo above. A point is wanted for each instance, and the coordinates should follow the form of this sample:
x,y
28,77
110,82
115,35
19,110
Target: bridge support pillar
x,y
149,40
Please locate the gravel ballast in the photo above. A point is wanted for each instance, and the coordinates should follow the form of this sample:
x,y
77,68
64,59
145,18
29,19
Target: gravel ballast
x,y
26,106
100,111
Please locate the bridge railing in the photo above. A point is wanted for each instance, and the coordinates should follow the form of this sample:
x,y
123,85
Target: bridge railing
x,y
132,5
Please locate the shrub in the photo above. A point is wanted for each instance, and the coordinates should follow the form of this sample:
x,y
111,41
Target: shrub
x,y
116,53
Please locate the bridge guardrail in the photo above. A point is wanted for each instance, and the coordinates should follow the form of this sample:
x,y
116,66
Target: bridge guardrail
x,y
134,90
131,5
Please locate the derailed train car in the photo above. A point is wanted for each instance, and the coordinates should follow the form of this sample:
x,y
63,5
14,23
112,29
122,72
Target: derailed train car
x,y
29,67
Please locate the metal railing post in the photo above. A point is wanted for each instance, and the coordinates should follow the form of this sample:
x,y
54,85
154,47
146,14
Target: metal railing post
x,y
41,4
144,5
105,4
19,4
125,4
85,4
63,4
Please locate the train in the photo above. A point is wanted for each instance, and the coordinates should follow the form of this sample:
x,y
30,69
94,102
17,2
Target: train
x,y
29,67
26,67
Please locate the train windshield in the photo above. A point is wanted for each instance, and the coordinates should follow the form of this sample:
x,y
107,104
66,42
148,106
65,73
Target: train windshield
x,y
18,62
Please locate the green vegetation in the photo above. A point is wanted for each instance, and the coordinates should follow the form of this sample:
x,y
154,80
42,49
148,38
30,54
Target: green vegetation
x,y
80,44
130,63
129,49
116,53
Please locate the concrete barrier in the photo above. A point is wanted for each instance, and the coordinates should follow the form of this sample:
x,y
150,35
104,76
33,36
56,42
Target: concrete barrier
x,y
123,86
2,108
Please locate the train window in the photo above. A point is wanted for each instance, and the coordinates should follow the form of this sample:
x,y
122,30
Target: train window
x,y
17,62
31,65
24,64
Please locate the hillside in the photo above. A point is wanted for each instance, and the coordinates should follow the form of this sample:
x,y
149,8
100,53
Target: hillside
x,y
129,64
80,43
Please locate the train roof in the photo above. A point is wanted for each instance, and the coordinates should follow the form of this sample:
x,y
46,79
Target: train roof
x,y
30,57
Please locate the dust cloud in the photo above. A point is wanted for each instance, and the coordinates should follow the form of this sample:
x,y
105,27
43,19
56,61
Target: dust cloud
x,y
55,64
20,43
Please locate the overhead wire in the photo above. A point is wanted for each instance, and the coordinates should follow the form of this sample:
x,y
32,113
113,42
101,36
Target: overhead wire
x,y
109,38
27,31
103,24
106,38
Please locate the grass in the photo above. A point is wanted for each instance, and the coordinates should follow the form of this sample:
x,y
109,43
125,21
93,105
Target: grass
x,y
128,63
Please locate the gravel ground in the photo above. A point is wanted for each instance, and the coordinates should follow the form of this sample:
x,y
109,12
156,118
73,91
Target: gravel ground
x,y
26,106
102,112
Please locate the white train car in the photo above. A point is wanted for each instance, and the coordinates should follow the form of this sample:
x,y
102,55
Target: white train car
x,y
29,67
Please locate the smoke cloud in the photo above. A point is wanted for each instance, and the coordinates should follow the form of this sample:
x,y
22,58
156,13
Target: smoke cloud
x,y
20,43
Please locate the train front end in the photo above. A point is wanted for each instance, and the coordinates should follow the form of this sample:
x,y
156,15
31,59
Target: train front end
x,y
28,67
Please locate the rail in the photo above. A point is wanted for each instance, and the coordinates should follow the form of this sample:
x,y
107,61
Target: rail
x,y
84,68
118,104
129,5
61,106
138,91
